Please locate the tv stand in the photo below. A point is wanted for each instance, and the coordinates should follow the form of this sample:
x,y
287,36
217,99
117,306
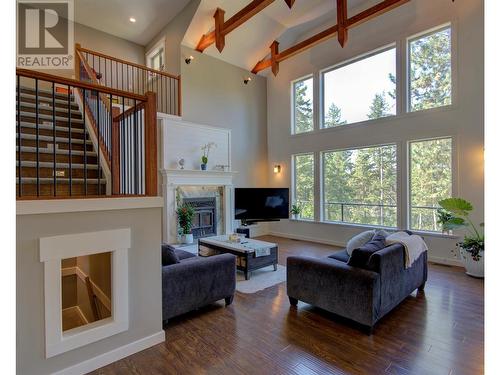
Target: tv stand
x,y
251,230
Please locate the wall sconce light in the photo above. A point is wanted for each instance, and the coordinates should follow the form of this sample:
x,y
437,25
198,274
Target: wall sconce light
x,y
247,80
277,168
189,59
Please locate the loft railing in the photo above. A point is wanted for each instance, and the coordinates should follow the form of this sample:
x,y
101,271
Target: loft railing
x,y
124,75
73,140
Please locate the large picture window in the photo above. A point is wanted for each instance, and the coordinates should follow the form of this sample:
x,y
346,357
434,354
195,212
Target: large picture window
x,y
303,113
361,90
304,184
429,61
430,181
360,186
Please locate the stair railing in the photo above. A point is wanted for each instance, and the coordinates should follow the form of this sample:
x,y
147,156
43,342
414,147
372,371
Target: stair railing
x,y
123,138
124,75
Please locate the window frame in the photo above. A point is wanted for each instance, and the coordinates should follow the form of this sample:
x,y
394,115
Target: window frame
x,y
454,169
294,183
407,67
292,104
322,183
159,47
386,47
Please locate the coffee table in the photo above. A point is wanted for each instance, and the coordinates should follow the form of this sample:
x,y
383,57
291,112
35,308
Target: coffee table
x,y
245,251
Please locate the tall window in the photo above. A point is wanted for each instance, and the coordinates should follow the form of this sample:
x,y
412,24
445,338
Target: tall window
x,y
304,184
430,70
360,186
430,181
156,60
361,90
303,106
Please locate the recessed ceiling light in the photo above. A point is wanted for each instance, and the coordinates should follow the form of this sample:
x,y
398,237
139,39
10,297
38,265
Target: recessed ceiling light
x,y
132,19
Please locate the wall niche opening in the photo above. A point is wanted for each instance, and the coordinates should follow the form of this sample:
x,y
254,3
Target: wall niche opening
x,y
86,290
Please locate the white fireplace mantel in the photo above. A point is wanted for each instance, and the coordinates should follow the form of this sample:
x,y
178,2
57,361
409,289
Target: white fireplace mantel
x,y
173,178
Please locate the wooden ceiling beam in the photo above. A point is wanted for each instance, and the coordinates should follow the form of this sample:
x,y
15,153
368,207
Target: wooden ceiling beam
x,y
342,21
220,40
364,16
232,23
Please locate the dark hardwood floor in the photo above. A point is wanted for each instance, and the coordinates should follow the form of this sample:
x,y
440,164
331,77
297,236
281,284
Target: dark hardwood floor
x,y
439,331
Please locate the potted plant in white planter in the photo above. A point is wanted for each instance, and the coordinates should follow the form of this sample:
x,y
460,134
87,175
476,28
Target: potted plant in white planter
x,y
295,211
185,214
472,247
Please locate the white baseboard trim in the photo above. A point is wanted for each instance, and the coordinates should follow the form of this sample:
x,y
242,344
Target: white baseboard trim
x,y
437,260
113,355
446,261
310,239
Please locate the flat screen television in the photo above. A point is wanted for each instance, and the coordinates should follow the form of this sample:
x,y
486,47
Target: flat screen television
x,y
252,205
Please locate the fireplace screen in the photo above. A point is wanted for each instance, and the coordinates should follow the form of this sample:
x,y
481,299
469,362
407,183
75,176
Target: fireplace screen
x,y
205,218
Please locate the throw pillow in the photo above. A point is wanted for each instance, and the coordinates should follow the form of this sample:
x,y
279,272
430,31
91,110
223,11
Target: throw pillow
x,y
361,256
168,255
359,240
383,233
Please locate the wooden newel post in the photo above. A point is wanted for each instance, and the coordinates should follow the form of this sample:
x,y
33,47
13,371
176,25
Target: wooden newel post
x,y
115,152
77,62
150,145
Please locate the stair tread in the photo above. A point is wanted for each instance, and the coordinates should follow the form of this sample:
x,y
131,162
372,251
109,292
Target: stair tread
x,y
47,107
32,125
49,138
49,117
59,151
50,180
59,165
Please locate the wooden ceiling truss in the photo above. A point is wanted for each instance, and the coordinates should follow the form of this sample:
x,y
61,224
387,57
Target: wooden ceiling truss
x,y
340,29
222,28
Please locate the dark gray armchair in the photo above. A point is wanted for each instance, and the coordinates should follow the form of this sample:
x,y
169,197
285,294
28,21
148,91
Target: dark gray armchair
x,y
363,295
195,282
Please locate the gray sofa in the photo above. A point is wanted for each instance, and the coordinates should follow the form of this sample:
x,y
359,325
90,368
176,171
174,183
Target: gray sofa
x,y
363,295
195,282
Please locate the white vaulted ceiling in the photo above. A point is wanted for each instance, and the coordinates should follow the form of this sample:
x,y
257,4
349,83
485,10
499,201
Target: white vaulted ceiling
x,y
112,16
249,43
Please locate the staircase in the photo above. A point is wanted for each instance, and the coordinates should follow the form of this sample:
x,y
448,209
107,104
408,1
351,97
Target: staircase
x,y
53,160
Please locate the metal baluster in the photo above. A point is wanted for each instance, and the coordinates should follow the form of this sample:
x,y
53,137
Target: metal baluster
x,y
141,153
111,143
19,153
136,156
342,211
70,145
160,107
37,141
98,146
85,148
122,146
54,137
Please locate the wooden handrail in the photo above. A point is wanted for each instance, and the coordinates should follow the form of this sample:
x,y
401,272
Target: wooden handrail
x,y
126,62
28,73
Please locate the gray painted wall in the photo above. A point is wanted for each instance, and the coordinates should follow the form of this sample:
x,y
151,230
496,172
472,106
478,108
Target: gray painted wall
x,y
144,283
213,93
173,33
464,120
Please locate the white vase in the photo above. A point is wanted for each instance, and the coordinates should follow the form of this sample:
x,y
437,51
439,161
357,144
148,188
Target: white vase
x,y
474,268
187,238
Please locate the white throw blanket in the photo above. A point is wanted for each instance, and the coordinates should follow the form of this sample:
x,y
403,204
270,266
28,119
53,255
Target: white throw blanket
x,y
414,245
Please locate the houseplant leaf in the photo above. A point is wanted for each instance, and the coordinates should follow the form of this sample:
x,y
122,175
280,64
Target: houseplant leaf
x,y
457,206
454,223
